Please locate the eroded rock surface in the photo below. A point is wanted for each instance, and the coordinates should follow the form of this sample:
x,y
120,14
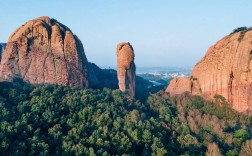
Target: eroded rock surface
x,y
226,69
44,51
126,70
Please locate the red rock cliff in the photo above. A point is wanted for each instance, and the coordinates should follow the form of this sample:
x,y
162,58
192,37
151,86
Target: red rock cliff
x,y
44,51
226,69
126,70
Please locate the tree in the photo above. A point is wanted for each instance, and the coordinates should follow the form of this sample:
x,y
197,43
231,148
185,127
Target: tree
x,y
246,149
240,136
213,150
158,148
59,120
239,29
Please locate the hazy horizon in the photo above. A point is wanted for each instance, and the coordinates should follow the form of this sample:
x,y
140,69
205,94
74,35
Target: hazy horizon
x,y
162,33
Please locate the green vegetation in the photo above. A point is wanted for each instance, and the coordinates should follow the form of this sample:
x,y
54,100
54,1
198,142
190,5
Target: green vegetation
x,y
56,120
239,29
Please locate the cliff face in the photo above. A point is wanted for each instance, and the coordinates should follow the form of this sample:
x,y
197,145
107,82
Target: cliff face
x,y
226,69
44,51
2,47
126,70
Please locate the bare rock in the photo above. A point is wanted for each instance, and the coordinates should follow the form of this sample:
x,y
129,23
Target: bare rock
x,y
179,86
126,70
44,51
226,69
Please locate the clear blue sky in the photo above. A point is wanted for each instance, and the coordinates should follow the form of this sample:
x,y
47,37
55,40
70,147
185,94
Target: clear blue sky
x,y
163,32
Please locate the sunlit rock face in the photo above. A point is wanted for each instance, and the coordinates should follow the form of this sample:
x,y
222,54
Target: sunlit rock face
x,y
126,70
44,51
226,69
179,86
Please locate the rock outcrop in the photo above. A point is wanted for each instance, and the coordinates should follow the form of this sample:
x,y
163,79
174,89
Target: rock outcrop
x,y
226,69
44,51
184,84
179,85
2,47
107,78
126,70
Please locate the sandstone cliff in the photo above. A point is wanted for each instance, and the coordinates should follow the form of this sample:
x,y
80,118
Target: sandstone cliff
x,y
44,51
226,69
126,70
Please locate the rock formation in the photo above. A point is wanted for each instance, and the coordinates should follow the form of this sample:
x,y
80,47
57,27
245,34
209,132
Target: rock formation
x,y
179,85
100,78
2,47
226,69
126,70
44,51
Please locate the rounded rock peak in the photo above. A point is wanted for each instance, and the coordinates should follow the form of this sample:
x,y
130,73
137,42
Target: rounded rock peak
x,y
125,55
41,25
122,44
44,51
44,18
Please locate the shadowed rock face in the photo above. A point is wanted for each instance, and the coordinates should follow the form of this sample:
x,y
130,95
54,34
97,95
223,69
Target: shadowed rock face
x,y
226,69
44,51
126,70
2,47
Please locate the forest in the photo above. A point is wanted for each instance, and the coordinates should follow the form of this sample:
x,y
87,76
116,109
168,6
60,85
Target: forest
x,y
59,120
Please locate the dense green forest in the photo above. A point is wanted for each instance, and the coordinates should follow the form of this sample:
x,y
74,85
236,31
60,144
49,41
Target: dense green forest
x,y
57,120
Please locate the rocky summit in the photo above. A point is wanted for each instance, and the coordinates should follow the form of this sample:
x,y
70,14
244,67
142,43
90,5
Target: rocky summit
x,y
126,70
226,70
44,51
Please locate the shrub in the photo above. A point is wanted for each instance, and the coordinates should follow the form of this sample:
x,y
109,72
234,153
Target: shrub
x,y
239,29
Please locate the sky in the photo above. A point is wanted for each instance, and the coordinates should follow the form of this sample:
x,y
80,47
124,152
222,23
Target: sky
x,y
163,33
